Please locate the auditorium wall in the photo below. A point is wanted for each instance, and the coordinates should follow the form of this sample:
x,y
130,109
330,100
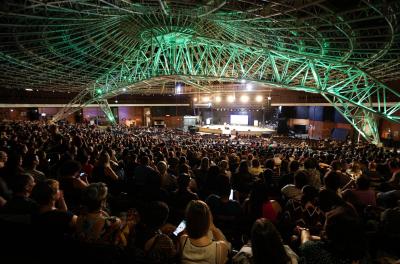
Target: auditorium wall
x,y
318,121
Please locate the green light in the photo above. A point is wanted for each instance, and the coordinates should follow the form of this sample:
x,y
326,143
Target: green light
x,y
99,91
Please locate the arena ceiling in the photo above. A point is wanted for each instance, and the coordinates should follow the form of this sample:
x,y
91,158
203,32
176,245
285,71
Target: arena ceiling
x,y
344,50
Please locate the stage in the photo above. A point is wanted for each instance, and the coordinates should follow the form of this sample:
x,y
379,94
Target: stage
x,y
235,130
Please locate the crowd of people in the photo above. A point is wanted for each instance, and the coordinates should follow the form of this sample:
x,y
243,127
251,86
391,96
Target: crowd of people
x,y
74,192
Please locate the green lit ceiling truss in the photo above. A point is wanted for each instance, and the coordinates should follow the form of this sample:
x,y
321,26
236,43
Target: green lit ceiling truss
x,y
343,50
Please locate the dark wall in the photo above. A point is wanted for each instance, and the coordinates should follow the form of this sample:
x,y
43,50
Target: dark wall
x,y
171,110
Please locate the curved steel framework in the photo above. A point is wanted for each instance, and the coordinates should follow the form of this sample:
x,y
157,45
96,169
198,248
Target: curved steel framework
x,y
343,50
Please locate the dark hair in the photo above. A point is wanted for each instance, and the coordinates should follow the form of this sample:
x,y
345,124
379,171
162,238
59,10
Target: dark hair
x,y
243,167
345,235
21,182
310,163
310,194
266,243
69,168
198,217
255,163
362,183
155,214
94,195
294,166
332,180
183,180
269,164
43,193
300,179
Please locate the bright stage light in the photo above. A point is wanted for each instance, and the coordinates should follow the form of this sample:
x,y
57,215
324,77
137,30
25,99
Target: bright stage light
x,y
231,98
218,99
124,89
259,98
249,86
206,99
243,81
195,99
269,98
28,89
244,98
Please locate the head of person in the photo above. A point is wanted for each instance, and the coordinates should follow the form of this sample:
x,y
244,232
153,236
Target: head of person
x,y
31,161
155,214
23,184
213,171
301,179
205,163
344,234
255,163
198,219
162,167
266,243
310,163
70,168
332,180
183,181
224,165
104,158
294,166
309,195
46,192
94,196
243,167
269,164
362,183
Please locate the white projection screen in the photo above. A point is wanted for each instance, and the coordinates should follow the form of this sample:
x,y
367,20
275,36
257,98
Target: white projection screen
x,y
239,120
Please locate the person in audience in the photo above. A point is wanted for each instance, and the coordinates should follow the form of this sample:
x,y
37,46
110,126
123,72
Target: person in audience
x,y
31,162
95,225
21,203
168,181
103,172
362,193
306,212
255,168
181,198
242,181
267,245
72,184
293,191
53,221
344,240
286,179
157,247
203,242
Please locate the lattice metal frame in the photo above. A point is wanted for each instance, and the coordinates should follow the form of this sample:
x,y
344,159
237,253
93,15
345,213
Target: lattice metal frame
x,y
342,50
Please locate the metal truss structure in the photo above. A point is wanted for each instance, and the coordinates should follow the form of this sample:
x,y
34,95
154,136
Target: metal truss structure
x,y
343,50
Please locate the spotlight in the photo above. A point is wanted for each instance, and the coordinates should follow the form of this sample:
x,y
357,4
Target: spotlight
x,y
116,101
12,110
269,98
218,99
244,98
178,88
259,98
195,99
206,99
231,98
124,89
28,89
243,81
249,87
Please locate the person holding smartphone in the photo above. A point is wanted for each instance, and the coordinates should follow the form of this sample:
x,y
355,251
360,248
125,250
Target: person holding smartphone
x,y
203,243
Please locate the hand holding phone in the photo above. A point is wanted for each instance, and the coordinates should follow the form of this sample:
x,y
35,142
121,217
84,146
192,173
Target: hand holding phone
x,y
180,228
